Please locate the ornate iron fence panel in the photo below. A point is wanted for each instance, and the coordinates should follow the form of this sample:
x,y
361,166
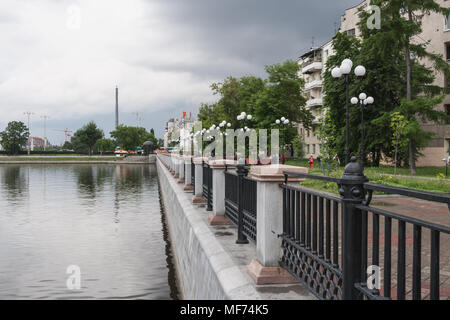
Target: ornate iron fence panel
x,y
207,185
192,173
311,240
248,198
231,188
344,248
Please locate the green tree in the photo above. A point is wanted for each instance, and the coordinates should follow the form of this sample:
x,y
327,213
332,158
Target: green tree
x,y
396,77
85,138
401,22
105,145
67,146
398,125
332,130
130,138
299,151
14,137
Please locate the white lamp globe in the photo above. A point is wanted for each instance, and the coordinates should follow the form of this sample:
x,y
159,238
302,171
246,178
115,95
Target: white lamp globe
x,y
354,100
286,121
283,119
238,117
346,68
228,125
221,124
336,72
249,117
362,96
347,62
370,100
278,121
360,71
243,114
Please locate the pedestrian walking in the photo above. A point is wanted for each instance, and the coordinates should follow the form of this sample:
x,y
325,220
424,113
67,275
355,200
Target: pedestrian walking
x,y
319,163
311,162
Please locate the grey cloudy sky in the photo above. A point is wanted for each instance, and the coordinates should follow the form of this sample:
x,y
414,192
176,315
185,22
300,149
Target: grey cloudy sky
x,y
63,58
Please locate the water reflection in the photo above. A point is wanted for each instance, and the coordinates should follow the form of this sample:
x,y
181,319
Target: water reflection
x,y
105,219
15,182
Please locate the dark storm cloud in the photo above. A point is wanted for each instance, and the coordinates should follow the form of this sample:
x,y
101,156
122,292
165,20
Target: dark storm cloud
x,y
250,33
163,54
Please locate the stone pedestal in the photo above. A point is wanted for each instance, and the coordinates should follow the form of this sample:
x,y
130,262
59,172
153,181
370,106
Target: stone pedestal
x,y
187,174
265,269
176,169
181,169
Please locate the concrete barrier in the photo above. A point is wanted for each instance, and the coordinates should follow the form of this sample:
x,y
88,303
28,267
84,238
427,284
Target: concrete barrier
x,y
205,269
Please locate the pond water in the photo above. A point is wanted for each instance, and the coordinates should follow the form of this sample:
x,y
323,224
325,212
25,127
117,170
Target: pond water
x,y
83,232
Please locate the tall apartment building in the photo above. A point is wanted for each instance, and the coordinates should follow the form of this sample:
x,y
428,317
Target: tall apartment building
x,y
435,29
312,68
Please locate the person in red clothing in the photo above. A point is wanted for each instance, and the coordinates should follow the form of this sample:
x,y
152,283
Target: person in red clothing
x,y
311,162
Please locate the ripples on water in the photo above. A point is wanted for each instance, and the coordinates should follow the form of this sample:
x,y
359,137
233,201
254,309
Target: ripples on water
x,y
104,218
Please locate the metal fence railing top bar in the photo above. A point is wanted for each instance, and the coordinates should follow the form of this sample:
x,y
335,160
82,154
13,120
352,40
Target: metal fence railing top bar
x,y
423,195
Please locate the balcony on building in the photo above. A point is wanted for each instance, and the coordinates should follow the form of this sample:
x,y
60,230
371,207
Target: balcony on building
x,y
313,84
312,61
314,102
312,66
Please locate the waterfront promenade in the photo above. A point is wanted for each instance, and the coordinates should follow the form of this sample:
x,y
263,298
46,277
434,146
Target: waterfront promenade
x,y
289,241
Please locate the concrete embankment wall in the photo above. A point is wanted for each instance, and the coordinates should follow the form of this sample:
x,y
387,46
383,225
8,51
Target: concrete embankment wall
x,y
205,270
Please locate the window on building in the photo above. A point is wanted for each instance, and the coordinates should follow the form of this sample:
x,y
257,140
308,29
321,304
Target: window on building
x,y
447,109
351,32
307,148
447,23
447,51
314,149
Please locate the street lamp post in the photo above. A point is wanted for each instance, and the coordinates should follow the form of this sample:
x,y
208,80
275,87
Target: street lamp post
x,y
345,69
363,101
283,121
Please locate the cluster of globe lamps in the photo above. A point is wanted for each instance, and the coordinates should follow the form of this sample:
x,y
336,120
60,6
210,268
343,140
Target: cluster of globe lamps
x,y
345,69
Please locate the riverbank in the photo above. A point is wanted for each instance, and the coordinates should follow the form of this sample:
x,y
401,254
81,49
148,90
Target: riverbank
x,y
76,160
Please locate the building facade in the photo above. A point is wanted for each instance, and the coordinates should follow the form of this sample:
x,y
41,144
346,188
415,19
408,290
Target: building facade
x,y
185,125
435,31
312,66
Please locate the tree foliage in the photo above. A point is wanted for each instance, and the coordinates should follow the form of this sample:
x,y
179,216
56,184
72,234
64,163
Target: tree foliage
x,y
14,137
105,145
279,95
84,139
383,53
129,137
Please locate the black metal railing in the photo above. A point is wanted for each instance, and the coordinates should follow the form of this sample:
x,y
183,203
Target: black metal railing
x,y
407,280
311,240
341,247
240,192
193,173
207,186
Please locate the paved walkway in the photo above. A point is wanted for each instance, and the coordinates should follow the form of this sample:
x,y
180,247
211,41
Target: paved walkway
x,y
423,210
